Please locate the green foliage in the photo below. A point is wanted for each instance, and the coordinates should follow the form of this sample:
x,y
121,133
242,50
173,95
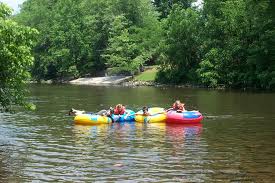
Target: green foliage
x,y
148,75
181,45
134,35
132,41
62,43
120,53
225,42
165,6
5,11
15,54
242,35
75,35
208,71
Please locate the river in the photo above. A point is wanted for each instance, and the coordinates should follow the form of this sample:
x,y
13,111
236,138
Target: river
x,y
234,143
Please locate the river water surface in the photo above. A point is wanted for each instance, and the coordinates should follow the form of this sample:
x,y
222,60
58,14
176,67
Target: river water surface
x,y
234,143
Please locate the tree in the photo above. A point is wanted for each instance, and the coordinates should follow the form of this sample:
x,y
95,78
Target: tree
x,y
75,34
165,6
62,43
260,44
134,35
15,59
181,46
121,52
238,42
228,43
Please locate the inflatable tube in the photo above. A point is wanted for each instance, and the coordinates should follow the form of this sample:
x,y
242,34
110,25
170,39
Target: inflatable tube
x,y
157,115
186,117
91,119
129,115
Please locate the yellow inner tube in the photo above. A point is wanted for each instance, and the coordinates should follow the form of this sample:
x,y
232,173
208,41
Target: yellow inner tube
x,y
157,115
88,119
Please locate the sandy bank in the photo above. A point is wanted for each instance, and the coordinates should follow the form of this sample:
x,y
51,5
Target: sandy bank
x,y
109,80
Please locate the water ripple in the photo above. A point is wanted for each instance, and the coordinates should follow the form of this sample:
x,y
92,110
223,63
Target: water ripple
x,y
45,146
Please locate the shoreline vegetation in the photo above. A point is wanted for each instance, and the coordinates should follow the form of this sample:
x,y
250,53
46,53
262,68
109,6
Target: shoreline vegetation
x,y
138,83
134,83
145,78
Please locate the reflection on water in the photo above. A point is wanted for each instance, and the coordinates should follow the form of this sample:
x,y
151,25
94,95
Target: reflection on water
x,y
146,149
235,142
182,135
175,133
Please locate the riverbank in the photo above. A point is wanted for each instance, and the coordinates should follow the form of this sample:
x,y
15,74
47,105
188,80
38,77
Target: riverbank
x,y
127,81
136,83
108,80
146,78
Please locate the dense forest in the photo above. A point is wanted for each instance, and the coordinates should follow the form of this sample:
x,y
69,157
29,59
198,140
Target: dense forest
x,y
227,42
220,43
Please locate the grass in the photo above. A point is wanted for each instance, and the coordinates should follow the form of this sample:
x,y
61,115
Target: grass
x,y
148,75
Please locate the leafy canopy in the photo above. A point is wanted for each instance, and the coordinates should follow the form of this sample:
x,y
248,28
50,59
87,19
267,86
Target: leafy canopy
x,y
15,59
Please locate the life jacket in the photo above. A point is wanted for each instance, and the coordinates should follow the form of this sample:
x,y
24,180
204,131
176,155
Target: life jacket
x,y
117,112
180,107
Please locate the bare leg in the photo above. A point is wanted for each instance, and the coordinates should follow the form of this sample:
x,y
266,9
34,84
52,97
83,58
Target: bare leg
x,y
102,112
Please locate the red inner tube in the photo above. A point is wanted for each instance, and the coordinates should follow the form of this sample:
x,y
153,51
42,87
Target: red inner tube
x,y
186,117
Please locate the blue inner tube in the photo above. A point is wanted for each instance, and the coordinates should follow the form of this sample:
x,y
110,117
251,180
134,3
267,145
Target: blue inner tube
x,y
191,114
129,115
